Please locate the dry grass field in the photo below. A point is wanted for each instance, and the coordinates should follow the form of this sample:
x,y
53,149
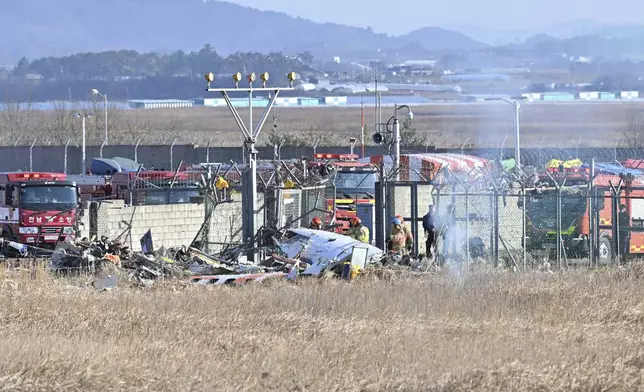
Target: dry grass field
x,y
460,331
444,125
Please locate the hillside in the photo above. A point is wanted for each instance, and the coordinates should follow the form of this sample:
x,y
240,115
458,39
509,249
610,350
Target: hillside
x,y
71,26
436,38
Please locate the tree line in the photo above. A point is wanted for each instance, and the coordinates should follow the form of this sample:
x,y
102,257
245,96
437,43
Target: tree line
x,y
127,74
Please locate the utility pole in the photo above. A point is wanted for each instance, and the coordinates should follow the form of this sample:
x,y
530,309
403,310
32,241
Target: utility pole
x,y
396,136
251,133
362,127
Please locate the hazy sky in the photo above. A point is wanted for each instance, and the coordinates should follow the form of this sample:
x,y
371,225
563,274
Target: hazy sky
x,y
399,17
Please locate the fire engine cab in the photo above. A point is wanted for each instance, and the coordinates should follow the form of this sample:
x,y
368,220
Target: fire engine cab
x,y
37,207
355,185
576,212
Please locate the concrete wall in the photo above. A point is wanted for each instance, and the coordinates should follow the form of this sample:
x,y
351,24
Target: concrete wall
x,y
172,225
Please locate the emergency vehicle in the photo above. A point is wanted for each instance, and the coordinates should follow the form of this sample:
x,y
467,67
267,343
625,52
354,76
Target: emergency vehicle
x,y
541,210
145,188
355,185
37,207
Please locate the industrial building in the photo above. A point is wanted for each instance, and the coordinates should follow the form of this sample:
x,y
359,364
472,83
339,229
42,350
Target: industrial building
x,y
159,103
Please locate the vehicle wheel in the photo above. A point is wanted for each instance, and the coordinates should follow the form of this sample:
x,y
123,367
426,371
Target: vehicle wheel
x,y
605,250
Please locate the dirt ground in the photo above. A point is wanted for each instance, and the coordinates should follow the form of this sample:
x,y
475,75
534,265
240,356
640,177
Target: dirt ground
x,y
445,125
456,330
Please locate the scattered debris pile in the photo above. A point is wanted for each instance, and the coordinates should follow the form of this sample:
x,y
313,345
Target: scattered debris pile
x,y
294,252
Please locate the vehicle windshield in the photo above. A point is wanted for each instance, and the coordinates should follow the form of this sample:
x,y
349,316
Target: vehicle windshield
x,y
356,182
165,196
48,198
542,209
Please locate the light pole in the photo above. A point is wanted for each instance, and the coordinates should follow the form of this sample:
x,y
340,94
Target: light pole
x,y
379,138
516,102
83,117
251,133
396,135
96,92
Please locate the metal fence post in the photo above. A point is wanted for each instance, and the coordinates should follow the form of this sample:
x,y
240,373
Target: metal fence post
x,y
558,239
31,156
496,227
171,150
414,215
65,157
467,226
136,151
591,216
208,151
615,195
524,223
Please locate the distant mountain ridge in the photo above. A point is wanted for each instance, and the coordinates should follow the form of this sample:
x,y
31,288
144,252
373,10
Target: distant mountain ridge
x,y
562,30
71,26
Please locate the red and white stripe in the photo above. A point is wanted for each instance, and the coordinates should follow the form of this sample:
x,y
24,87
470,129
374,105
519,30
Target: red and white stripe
x,y
413,164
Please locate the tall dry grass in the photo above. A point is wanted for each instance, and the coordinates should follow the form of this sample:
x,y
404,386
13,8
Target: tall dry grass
x,y
597,124
453,331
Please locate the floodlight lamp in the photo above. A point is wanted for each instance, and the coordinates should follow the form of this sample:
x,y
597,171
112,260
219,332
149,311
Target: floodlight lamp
x,y
291,78
378,138
210,77
252,77
95,91
237,77
264,77
410,115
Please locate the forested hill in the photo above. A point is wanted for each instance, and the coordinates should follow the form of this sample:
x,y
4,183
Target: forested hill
x,y
43,28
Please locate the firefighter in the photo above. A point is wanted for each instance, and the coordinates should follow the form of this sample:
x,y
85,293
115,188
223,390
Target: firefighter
x,y
316,224
357,231
222,186
409,238
430,232
289,184
397,237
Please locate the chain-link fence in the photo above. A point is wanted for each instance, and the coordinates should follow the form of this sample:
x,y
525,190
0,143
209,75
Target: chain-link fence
x,y
520,227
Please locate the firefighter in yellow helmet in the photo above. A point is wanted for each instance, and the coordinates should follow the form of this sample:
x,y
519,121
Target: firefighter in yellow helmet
x,y
357,231
222,186
289,184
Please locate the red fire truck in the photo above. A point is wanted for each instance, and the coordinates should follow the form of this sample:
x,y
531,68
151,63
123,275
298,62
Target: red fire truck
x,y
37,207
145,188
355,184
541,206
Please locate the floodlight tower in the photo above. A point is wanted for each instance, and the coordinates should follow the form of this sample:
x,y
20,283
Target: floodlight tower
x,y
251,133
